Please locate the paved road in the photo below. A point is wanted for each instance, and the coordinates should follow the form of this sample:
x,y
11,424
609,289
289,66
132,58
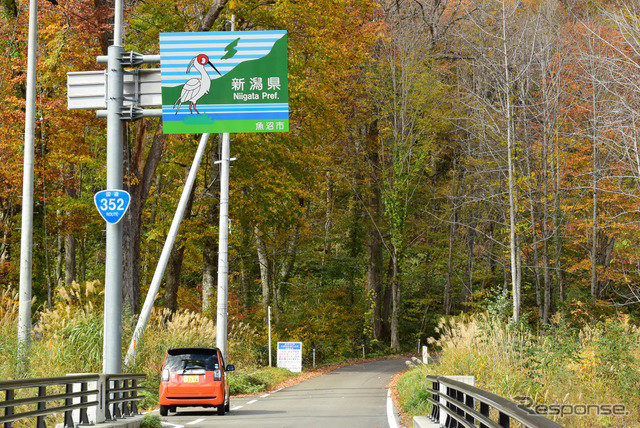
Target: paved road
x,y
354,396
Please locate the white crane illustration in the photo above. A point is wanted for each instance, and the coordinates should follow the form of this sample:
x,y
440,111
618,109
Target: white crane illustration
x,y
196,87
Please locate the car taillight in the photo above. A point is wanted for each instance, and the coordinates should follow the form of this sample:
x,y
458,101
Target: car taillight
x,y
217,375
165,375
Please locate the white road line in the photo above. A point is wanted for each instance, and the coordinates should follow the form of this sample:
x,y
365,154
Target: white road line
x,y
390,417
171,425
264,396
237,407
197,421
252,401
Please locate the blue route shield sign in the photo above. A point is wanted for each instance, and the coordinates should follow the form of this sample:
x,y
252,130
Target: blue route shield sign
x,y
112,204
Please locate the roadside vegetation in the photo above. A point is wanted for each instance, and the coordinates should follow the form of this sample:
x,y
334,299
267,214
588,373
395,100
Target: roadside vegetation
x,y
68,339
569,362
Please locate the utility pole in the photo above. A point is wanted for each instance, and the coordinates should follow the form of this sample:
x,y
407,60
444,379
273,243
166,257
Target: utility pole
x,y
223,249
26,244
223,243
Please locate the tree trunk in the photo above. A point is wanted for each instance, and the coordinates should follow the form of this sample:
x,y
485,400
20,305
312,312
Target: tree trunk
x,y
328,219
210,252
448,285
209,275
374,280
396,301
139,185
374,240
69,259
174,266
172,284
513,254
265,275
59,258
70,239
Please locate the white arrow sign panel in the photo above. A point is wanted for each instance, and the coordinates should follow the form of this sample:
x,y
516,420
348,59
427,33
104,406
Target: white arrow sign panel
x,y
88,89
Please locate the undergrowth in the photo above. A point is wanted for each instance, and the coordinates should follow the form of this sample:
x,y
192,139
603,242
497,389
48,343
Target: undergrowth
x,y
67,338
251,381
593,365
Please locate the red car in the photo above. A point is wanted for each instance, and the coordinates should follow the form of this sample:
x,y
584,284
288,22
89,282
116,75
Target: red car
x,y
194,377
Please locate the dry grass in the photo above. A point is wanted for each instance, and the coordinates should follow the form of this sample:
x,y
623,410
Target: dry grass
x,y
595,365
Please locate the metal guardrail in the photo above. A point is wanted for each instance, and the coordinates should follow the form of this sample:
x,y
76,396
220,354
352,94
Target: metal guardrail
x,y
470,407
113,396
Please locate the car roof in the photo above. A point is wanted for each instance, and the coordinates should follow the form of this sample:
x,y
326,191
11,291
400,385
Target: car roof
x,y
180,351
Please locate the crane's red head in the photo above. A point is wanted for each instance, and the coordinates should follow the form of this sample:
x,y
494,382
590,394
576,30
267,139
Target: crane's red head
x,y
204,60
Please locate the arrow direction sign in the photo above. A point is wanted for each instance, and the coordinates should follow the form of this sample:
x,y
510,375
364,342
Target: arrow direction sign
x,y
112,204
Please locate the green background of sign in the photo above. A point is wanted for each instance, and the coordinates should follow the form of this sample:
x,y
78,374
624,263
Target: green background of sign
x,y
274,64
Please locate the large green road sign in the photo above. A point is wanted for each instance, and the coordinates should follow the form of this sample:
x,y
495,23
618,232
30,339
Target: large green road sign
x,y
232,81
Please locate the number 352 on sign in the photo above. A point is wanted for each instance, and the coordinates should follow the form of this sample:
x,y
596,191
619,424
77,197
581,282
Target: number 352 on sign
x,y
112,204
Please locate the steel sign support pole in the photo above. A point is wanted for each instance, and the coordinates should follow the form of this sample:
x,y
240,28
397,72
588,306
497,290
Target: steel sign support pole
x,y
112,350
223,249
223,242
26,245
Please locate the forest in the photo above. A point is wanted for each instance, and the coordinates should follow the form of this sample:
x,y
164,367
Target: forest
x,y
441,154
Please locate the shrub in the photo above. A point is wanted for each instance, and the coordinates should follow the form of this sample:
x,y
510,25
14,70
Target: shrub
x,y
151,421
256,380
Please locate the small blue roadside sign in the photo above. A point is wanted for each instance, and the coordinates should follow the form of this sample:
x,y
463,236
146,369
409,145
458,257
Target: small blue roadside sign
x,y
112,204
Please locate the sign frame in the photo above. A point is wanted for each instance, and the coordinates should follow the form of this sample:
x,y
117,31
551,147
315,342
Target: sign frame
x,y
224,82
290,356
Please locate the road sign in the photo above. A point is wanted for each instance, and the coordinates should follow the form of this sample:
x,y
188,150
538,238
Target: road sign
x,y
290,356
224,82
112,204
88,89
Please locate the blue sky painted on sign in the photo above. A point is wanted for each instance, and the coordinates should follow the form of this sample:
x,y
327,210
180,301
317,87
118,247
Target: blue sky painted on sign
x,y
177,49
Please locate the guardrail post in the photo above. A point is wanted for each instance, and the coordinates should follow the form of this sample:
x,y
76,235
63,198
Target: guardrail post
x,y
484,410
449,421
503,420
42,405
469,403
102,410
435,411
125,396
8,411
116,404
84,417
68,416
134,395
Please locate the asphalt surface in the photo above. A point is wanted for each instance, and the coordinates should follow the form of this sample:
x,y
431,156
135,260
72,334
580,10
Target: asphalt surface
x,y
353,396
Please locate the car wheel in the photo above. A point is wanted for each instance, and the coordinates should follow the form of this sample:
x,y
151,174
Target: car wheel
x,y
227,407
164,410
221,409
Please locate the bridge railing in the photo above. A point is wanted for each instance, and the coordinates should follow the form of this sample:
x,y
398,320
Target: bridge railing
x,y
104,397
457,404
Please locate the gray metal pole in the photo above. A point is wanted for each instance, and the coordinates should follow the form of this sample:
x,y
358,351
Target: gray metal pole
x,y
269,329
223,242
166,252
26,245
112,351
223,263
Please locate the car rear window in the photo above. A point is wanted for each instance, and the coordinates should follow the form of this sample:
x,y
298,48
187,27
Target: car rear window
x,y
191,360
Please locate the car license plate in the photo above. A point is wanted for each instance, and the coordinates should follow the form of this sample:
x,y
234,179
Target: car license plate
x,y
190,378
